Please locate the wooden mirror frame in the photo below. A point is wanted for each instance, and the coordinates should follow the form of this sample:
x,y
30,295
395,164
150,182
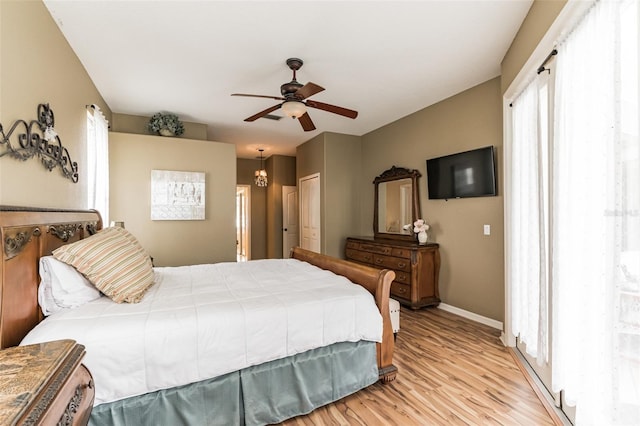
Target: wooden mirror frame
x,y
397,173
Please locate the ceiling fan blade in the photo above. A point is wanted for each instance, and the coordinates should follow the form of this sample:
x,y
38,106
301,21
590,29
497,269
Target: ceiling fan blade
x,y
277,98
308,90
306,123
263,113
332,108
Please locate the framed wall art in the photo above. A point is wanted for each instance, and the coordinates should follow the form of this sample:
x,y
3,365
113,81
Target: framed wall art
x,y
177,195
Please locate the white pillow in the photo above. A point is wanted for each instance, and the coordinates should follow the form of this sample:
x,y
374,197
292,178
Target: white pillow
x,y
62,287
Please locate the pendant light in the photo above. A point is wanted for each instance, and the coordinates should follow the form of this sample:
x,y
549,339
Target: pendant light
x,y
261,175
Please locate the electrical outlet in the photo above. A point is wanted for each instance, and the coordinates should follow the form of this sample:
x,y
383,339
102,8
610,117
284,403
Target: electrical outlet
x,y
487,229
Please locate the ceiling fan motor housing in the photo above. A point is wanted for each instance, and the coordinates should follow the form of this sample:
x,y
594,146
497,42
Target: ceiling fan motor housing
x,y
288,90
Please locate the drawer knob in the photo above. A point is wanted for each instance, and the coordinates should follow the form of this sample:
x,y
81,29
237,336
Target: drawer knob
x,y
401,264
378,261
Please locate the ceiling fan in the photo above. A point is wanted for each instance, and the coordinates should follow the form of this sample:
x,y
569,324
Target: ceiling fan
x,y
295,100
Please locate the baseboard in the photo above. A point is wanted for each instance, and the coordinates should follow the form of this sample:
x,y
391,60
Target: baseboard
x,y
503,338
558,417
470,315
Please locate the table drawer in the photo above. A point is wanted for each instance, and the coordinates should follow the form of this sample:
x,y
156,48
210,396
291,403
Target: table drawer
x,y
401,290
392,263
360,256
73,404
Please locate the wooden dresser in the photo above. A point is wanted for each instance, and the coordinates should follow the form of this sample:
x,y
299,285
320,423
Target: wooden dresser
x,y
45,384
417,267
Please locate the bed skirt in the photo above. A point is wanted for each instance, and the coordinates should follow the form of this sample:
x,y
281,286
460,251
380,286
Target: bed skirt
x,y
258,395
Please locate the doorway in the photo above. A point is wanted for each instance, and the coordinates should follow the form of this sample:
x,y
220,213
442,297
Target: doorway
x,y
243,223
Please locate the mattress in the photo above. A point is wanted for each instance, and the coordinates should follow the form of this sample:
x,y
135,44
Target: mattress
x,y
203,321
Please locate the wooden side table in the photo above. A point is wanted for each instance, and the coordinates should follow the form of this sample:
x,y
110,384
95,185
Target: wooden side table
x,y
45,384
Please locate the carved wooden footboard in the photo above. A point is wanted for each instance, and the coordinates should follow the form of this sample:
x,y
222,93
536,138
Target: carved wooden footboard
x,y
378,282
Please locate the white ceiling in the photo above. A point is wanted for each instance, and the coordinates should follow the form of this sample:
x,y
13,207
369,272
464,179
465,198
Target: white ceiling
x,y
385,59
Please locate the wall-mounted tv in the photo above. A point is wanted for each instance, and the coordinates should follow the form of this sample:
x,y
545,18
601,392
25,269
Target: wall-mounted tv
x,y
465,174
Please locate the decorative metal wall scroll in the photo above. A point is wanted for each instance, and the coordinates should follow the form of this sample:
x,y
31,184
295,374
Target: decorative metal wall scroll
x,y
47,146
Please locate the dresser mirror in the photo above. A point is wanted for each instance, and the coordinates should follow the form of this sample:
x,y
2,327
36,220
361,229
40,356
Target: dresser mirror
x,y
396,204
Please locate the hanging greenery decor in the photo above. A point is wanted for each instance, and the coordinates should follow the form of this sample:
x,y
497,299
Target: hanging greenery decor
x,y
165,125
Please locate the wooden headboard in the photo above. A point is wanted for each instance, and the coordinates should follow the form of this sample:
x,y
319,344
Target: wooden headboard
x,y
27,234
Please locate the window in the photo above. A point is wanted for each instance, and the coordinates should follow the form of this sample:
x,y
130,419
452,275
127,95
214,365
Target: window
x,y
573,217
98,162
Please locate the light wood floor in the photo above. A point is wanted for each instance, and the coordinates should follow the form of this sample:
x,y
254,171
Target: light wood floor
x,y
451,371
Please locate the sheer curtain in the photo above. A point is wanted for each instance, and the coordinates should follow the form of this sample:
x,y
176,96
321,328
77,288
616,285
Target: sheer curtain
x,y
98,162
595,215
527,262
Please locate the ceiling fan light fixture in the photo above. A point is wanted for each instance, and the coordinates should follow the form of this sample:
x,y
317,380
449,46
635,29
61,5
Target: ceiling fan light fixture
x,y
294,109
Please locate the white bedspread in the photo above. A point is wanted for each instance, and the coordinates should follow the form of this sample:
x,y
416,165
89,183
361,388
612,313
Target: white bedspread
x,y
203,321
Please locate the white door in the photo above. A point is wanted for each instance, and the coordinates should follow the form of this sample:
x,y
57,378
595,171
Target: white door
x,y
289,219
310,212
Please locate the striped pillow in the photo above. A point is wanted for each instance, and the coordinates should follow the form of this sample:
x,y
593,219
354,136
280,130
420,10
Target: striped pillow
x,y
112,260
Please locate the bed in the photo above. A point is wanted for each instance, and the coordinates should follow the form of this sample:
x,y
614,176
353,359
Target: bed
x,y
285,385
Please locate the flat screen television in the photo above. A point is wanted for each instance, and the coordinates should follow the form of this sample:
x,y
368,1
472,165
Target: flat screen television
x,y
465,174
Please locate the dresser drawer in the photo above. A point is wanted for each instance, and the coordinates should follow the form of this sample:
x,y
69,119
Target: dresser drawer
x,y
392,263
400,290
400,252
360,256
403,277
353,245
374,248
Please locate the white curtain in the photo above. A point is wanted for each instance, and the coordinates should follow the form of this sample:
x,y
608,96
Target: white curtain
x,y
98,162
527,262
595,216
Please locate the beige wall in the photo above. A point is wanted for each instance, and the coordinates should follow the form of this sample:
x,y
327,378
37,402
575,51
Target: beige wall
x,y
310,157
126,123
343,167
281,171
535,25
337,157
38,66
173,243
472,271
